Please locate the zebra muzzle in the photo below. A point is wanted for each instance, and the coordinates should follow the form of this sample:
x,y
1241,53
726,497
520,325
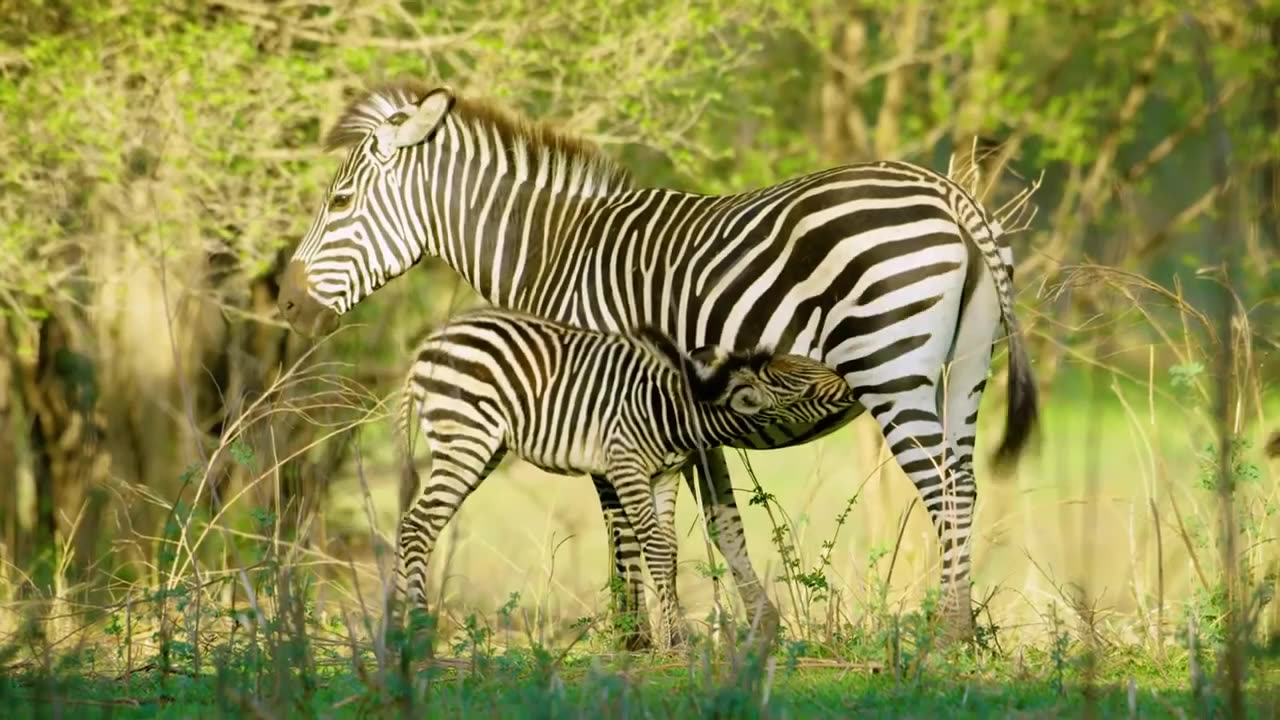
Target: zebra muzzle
x,y
305,315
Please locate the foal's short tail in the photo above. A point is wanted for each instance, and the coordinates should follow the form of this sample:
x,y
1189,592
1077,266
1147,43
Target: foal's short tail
x,y
404,448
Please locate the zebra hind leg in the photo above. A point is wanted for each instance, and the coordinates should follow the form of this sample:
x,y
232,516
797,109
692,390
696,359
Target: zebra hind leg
x,y
916,435
959,498
963,381
455,474
626,585
636,494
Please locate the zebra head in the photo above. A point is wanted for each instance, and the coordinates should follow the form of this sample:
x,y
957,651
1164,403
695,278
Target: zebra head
x,y
764,385
363,235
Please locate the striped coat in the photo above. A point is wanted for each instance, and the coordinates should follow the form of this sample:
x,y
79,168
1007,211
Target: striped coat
x,y
627,409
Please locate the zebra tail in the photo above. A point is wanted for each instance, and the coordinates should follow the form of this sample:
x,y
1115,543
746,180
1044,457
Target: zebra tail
x,y
404,446
1023,411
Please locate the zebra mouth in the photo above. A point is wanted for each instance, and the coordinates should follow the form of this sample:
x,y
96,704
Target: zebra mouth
x,y
304,314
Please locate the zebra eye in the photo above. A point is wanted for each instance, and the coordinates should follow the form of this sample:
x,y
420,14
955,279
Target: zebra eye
x,y
340,201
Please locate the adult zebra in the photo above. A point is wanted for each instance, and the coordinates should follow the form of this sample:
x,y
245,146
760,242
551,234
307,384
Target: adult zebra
x,y
890,273
627,409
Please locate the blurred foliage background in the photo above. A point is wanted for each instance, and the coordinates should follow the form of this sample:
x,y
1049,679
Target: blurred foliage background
x,y
158,160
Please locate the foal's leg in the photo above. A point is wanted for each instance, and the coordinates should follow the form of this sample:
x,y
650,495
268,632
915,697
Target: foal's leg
x,y
635,492
665,488
625,581
462,456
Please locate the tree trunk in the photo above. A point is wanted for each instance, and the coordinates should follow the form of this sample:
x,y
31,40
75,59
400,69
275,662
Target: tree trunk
x,y
58,392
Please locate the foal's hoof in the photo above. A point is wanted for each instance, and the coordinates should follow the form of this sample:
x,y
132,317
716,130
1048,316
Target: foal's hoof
x,y
956,629
637,642
678,637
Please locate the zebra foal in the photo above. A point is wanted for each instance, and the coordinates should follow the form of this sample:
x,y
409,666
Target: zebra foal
x,y
627,409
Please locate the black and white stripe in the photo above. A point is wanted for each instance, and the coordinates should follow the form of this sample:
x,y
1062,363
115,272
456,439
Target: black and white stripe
x,y
627,409
890,273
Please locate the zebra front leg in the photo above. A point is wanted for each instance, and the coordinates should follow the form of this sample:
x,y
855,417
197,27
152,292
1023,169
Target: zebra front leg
x,y
636,494
665,488
626,586
724,523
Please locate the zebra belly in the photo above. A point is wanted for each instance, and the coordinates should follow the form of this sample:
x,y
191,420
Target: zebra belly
x,y
674,461
566,458
784,435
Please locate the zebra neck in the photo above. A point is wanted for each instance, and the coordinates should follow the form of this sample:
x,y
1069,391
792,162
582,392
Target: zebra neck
x,y
506,210
714,426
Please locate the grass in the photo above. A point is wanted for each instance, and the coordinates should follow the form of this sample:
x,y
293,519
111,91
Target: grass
x,y
297,666
1099,584
590,688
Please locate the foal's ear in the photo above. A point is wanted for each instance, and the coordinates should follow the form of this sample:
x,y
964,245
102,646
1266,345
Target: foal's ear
x,y
707,360
745,395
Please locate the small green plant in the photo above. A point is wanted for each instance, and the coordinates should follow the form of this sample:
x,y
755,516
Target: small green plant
x,y
1059,655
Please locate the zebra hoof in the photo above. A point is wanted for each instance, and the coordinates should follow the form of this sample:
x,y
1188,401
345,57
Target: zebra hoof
x,y
679,637
764,631
633,630
956,624
956,631
637,641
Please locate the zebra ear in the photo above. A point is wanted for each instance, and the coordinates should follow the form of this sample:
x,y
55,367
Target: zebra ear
x,y
745,395
423,121
707,359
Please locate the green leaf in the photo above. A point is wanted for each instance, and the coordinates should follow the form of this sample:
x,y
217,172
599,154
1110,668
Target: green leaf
x,y
1185,374
241,452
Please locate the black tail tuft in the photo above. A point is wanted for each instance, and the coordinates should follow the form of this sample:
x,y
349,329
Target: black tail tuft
x,y
1023,405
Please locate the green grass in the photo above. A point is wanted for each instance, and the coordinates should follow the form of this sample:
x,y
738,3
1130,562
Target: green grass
x,y
526,685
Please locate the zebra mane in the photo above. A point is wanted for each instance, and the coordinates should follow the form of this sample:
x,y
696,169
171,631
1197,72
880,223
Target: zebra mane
x,y
543,142
662,346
